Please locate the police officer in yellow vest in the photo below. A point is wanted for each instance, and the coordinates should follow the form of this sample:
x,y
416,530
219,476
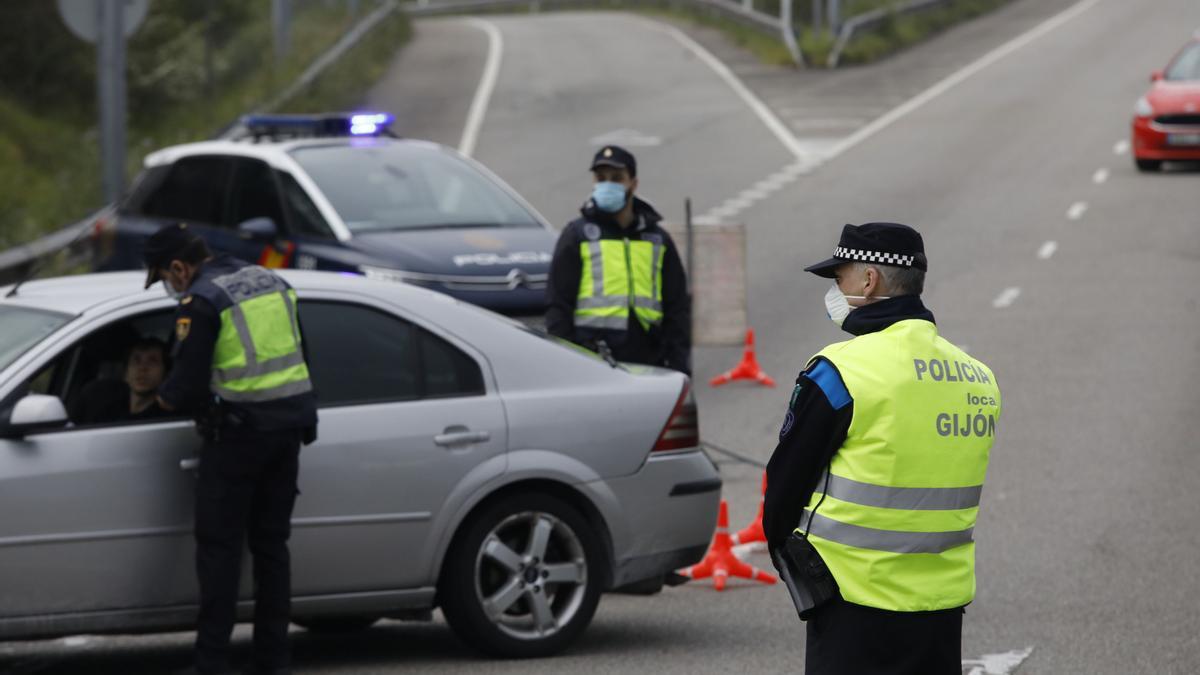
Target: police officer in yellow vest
x,y
239,367
880,466
616,277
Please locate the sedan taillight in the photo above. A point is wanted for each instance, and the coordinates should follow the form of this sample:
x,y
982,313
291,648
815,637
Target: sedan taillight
x,y
683,426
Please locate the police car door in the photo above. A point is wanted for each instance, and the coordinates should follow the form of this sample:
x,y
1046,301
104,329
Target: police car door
x,y
408,422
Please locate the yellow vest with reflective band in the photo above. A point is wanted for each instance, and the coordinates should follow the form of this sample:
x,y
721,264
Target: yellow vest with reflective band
x,y
620,275
895,514
257,356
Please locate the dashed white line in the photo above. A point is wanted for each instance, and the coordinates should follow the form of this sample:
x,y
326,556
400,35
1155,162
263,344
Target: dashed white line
x,y
1007,297
1121,147
1100,177
75,641
1047,250
487,83
1077,210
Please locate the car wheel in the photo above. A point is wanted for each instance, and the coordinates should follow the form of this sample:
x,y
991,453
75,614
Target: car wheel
x,y
335,624
1148,164
524,578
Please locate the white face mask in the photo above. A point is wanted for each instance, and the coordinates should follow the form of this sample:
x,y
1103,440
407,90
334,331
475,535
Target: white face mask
x,y
171,292
837,304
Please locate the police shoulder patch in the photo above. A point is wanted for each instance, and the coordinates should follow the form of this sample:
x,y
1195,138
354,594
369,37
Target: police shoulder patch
x,y
183,326
591,231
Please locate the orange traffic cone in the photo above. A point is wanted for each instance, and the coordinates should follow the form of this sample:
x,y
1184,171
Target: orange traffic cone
x,y
754,531
747,369
721,563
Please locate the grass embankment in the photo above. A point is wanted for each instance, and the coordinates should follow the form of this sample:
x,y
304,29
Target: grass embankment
x,y
49,162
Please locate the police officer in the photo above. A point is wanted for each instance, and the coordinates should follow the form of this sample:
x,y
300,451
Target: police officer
x,y
616,281
880,464
239,367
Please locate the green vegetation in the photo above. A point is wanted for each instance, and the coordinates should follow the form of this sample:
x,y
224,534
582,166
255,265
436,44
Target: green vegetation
x,y
897,31
193,68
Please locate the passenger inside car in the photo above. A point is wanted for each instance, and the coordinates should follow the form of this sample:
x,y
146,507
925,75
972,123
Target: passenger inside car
x,y
130,398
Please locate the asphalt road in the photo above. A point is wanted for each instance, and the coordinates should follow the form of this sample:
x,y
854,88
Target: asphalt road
x,y
1052,260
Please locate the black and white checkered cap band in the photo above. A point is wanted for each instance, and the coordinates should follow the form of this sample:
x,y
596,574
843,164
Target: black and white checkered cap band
x,y
874,256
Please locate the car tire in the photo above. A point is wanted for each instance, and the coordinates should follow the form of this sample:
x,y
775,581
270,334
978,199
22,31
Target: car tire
x,y
1148,164
335,624
523,577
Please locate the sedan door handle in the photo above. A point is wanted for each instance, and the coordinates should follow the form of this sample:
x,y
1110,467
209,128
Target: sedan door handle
x,y
459,435
189,464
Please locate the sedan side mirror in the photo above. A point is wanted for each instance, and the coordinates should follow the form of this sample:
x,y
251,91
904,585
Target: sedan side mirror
x,y
35,412
1156,76
259,229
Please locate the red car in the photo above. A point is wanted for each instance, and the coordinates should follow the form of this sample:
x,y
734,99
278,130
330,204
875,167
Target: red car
x,y
1166,123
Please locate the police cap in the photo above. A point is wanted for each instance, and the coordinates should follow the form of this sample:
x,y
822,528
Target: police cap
x,y
165,245
615,156
876,243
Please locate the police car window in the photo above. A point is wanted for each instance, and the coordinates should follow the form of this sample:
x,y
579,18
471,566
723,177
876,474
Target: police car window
x,y
303,216
194,191
448,371
386,185
359,355
254,193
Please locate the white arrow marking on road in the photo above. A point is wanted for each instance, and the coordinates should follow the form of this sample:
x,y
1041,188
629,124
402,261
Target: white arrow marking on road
x,y
1006,298
1077,210
1121,147
1047,250
996,664
627,137
1100,176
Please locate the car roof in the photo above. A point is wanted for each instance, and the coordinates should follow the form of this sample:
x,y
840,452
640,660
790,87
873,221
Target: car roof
x,y
268,150
81,293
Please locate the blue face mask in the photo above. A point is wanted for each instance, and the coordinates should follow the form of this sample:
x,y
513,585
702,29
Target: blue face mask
x,y
609,197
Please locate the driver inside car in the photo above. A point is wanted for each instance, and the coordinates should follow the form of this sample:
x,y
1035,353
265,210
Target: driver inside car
x,y
133,397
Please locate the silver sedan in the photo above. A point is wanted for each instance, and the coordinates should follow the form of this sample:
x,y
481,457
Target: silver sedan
x,y
464,462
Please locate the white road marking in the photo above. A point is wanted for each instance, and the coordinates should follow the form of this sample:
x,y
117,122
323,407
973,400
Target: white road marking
x,y
812,152
996,664
75,641
1121,147
1100,177
626,138
1047,250
487,83
1077,210
960,76
1007,297
768,118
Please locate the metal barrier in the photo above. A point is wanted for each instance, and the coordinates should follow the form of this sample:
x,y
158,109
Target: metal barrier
x,y
872,19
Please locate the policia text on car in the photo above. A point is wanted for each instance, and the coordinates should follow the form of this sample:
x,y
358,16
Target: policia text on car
x,y
240,367
879,470
616,281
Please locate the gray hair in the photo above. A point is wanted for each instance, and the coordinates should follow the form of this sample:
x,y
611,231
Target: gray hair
x,y
898,280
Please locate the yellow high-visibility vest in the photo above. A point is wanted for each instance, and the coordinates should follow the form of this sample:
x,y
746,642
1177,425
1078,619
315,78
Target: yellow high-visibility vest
x,y
894,516
620,275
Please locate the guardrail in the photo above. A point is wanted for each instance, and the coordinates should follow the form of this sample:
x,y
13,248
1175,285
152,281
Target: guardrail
x,y
737,10
868,20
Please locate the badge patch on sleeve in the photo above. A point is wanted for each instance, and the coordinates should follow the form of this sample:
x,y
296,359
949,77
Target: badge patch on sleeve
x,y
183,326
788,421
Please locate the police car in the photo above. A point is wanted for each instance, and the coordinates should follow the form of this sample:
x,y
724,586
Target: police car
x,y
339,192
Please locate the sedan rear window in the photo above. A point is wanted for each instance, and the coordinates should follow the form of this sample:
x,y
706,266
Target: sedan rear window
x,y
24,328
384,185
1187,65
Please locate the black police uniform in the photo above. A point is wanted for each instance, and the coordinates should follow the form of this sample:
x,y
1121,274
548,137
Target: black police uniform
x,y
246,484
670,343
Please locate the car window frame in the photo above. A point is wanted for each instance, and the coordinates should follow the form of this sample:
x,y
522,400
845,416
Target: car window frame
x,y
68,338
283,223
281,176
490,388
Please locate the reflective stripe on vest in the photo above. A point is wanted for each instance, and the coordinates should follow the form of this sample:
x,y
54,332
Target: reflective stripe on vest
x,y
895,514
620,275
257,357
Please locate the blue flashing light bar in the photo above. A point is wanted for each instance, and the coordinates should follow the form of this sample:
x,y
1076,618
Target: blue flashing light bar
x,y
323,125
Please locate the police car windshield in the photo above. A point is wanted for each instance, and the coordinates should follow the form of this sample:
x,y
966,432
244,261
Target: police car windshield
x,y
1187,66
384,185
24,328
